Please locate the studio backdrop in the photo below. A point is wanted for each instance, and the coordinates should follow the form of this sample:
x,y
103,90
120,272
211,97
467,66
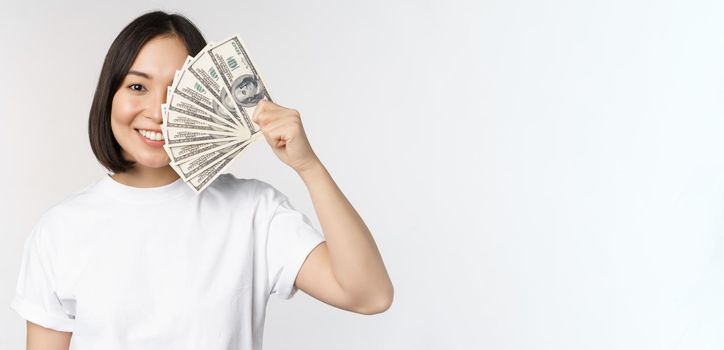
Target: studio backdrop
x,y
536,174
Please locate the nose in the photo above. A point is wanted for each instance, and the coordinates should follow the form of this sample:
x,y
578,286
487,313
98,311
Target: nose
x,y
153,110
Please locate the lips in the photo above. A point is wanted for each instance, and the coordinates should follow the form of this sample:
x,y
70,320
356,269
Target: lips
x,y
151,137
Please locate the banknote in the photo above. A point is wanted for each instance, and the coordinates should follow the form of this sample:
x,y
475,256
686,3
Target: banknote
x,y
179,136
199,182
187,86
208,110
182,120
203,69
178,103
200,163
184,153
240,77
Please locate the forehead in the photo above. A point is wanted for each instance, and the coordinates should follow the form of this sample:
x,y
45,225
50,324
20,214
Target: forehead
x,y
161,57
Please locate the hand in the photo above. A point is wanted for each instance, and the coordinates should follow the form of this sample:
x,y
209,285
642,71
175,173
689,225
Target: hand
x,y
283,130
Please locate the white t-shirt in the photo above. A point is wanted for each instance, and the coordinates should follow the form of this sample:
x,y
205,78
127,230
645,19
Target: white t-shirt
x,y
163,268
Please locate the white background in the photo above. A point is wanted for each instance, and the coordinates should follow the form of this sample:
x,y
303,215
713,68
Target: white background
x,y
537,174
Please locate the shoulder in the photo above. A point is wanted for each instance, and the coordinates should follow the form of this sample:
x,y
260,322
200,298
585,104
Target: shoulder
x,y
70,206
59,215
248,188
253,195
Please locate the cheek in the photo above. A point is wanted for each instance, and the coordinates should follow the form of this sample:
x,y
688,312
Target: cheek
x,y
124,109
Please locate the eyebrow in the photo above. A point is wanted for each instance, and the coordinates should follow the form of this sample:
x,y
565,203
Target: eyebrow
x,y
141,74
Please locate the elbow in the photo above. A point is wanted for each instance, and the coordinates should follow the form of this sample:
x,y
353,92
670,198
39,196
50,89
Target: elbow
x,y
379,304
376,309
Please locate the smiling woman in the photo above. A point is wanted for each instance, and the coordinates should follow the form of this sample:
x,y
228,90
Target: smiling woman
x,y
138,68
136,110
138,260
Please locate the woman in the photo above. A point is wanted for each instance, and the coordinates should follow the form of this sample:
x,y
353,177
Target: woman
x,y
138,261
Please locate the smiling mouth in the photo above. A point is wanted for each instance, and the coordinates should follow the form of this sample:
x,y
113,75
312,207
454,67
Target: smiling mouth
x,y
150,135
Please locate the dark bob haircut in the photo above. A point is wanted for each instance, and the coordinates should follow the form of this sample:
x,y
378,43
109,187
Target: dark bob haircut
x,y
118,61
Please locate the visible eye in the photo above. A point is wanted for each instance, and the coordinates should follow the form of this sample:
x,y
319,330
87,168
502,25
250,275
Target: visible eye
x,y
136,87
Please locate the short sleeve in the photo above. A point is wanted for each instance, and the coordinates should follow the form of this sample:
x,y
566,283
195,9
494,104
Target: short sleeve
x,y
35,296
290,239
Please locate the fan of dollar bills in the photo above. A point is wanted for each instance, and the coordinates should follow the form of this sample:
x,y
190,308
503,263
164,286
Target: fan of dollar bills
x,y
207,114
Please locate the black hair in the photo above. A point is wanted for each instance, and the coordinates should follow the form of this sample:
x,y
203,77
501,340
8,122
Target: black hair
x,y
118,61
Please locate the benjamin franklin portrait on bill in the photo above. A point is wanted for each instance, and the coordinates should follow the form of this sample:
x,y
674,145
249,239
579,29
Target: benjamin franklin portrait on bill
x,y
221,111
247,90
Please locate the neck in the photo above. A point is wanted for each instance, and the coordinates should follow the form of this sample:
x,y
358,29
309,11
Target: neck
x,y
144,177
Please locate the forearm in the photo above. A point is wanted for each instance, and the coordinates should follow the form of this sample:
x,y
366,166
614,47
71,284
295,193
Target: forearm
x,y
355,260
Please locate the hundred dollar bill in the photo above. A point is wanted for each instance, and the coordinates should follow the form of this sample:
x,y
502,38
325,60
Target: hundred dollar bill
x,y
180,152
199,182
180,120
203,69
177,136
184,153
240,77
187,86
180,104
191,168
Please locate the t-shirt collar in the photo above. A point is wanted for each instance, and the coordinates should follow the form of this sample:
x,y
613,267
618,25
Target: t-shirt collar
x,y
113,188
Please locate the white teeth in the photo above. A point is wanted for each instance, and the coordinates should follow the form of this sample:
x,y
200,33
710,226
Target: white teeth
x,y
151,135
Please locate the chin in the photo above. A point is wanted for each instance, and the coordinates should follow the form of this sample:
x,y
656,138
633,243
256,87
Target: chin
x,y
153,162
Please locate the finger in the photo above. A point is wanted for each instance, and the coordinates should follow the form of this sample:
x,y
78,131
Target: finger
x,y
273,129
281,133
264,117
276,122
262,106
270,105
271,116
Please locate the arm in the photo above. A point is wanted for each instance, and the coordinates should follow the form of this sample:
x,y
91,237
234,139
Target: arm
x,y
351,252
347,270
41,338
